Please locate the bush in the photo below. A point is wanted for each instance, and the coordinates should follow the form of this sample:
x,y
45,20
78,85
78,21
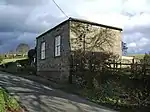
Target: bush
x,y
30,70
88,65
8,103
146,59
113,87
24,62
1,59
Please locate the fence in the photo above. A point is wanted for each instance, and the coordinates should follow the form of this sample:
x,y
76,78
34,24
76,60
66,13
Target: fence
x,y
131,67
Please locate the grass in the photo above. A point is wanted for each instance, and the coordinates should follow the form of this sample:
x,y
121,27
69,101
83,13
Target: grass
x,y
12,60
138,56
8,103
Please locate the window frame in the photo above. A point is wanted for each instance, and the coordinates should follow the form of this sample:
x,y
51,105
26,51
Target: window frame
x,y
57,46
43,50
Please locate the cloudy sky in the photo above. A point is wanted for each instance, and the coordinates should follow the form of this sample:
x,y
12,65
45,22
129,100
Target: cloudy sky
x,y
21,21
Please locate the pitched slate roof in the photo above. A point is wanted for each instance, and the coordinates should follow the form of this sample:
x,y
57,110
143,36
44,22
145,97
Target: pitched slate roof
x,y
82,21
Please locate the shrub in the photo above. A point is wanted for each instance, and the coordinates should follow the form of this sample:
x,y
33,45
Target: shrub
x,y
1,59
88,65
8,103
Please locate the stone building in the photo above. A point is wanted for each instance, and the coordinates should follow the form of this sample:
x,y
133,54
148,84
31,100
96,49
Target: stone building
x,y
55,45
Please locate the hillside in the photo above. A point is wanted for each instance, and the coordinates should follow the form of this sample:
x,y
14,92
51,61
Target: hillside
x,y
138,56
12,60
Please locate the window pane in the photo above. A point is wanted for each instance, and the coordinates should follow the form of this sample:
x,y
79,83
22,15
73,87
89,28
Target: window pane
x,y
58,39
43,46
56,42
55,50
43,50
43,55
57,46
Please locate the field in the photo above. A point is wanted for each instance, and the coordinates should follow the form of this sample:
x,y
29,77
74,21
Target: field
x,y
12,60
138,56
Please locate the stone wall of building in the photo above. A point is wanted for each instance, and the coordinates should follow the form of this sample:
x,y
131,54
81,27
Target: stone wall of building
x,y
54,68
74,36
95,38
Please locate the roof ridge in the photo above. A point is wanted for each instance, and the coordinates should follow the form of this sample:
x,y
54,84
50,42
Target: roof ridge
x,y
91,22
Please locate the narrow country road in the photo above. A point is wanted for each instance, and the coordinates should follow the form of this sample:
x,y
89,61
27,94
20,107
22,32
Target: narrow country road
x,y
39,98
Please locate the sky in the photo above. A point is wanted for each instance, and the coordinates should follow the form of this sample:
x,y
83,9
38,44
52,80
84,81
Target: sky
x,y
21,21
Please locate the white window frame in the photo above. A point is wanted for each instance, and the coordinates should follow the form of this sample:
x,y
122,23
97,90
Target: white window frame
x,y
43,46
57,50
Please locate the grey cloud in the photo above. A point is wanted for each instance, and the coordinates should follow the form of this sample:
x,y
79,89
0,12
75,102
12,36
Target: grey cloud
x,y
9,36
22,19
41,23
24,2
138,50
12,42
12,18
8,41
134,36
11,45
144,29
23,24
129,14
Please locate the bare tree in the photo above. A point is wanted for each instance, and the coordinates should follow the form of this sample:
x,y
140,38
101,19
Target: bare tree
x,y
22,48
124,48
87,37
91,46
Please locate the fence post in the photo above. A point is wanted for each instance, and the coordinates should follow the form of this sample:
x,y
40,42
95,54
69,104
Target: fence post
x,y
136,67
133,60
144,69
71,69
113,64
120,65
132,66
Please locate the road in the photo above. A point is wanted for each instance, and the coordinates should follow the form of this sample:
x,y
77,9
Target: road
x,y
39,98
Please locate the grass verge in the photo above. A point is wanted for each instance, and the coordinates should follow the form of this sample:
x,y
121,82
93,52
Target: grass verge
x,y
8,103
